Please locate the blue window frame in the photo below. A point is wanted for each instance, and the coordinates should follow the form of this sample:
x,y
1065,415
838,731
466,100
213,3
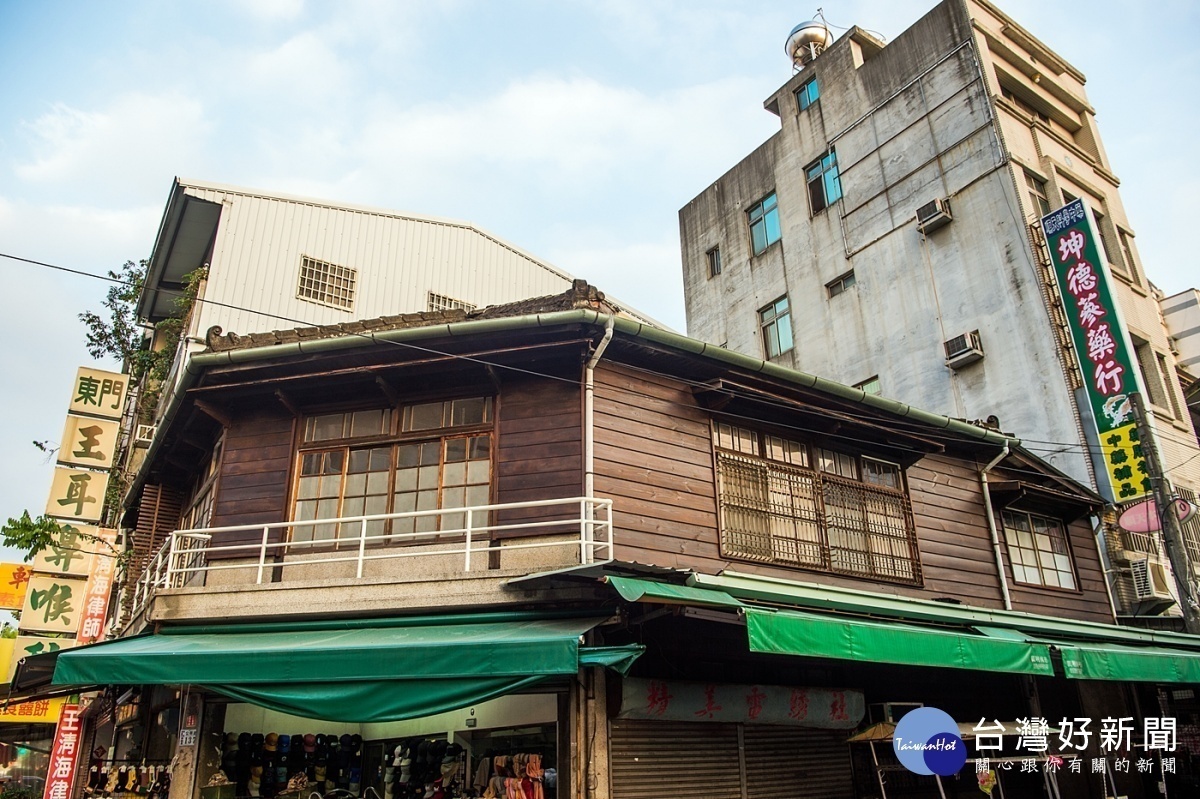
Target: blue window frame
x,y
824,185
776,323
807,94
764,223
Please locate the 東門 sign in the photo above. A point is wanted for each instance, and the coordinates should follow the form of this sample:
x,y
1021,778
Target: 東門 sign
x,y
1101,347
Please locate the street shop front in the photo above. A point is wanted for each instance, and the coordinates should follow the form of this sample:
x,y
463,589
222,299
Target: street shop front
x,y
712,704
444,706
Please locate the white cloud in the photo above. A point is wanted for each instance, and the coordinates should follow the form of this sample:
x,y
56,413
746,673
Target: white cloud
x,y
303,68
569,136
271,10
123,149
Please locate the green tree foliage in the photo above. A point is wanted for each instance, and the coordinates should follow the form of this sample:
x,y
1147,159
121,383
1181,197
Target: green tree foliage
x,y
117,334
30,535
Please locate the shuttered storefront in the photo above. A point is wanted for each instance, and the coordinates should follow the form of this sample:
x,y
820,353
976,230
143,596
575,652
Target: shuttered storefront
x,y
656,760
659,759
797,763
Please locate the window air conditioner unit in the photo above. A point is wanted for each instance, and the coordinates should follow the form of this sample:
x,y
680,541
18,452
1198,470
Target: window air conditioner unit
x,y
145,433
890,711
933,215
964,349
1150,580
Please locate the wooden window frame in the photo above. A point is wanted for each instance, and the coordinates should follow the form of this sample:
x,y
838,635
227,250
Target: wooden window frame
x,y
1009,533
392,439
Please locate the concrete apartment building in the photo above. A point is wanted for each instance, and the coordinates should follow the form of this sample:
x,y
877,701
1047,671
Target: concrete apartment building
x,y
888,237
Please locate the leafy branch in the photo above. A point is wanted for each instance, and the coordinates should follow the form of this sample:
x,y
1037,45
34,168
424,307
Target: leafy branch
x,y
34,536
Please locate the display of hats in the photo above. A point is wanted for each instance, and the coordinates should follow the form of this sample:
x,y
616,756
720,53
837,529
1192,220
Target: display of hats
x,y
310,743
256,742
243,741
356,743
271,742
231,741
285,744
345,742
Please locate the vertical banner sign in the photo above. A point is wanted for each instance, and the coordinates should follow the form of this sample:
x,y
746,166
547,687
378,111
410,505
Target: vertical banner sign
x,y
98,393
64,755
1101,346
99,588
52,605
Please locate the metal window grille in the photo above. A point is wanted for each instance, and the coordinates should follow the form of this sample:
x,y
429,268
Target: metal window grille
x,y
775,513
326,283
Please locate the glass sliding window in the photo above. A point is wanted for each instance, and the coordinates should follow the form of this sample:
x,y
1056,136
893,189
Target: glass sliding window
x,y
764,223
775,322
807,94
714,261
824,185
1037,195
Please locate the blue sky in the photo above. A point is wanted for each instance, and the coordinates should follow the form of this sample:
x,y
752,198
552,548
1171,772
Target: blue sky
x,y
574,130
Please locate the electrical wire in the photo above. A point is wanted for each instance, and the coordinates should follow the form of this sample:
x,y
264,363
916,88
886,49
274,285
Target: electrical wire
x,y
1053,447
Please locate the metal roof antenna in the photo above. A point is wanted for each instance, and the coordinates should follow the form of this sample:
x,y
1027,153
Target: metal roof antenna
x,y
808,40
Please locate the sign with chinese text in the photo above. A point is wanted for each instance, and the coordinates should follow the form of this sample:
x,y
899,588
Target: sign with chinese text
x,y
53,604
1101,346
37,711
14,579
64,754
77,494
26,645
99,588
70,552
673,700
89,442
97,393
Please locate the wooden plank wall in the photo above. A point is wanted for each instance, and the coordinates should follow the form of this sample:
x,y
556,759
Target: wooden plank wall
x,y
539,452
654,459
255,473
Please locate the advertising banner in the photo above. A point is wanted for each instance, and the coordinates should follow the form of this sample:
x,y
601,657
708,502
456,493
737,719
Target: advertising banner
x,y
676,700
1101,347
64,754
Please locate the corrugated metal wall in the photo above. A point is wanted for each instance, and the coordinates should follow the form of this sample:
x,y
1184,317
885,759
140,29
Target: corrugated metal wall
x,y
256,261
651,760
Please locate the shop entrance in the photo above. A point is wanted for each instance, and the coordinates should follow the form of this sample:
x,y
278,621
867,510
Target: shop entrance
x,y
508,746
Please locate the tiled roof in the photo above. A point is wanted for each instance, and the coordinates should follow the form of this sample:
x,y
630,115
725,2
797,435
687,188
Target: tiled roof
x,y
580,295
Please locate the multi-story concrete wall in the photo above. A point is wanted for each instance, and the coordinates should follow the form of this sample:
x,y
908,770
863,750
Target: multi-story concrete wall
x,y
967,106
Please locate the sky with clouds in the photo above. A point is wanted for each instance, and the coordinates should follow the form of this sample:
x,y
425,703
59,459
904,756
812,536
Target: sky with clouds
x,y
575,130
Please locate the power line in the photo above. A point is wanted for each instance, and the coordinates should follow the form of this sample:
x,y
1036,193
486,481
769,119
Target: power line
x,y
1052,448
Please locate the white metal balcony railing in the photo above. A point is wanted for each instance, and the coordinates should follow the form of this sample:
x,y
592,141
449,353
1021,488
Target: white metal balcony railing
x,y
469,533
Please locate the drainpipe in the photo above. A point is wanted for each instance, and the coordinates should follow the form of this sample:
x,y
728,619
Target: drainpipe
x,y
991,520
589,442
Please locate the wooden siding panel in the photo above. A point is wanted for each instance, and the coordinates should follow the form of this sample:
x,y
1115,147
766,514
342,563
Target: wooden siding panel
x,y
539,449
255,478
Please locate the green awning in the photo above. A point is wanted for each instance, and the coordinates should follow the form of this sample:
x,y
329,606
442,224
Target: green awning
x,y
632,589
1112,662
845,638
382,673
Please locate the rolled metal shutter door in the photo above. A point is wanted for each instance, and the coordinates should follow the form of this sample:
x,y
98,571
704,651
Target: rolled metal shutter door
x,y
797,763
657,759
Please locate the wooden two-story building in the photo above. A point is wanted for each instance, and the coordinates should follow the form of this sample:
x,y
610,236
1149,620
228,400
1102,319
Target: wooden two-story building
x,y
560,540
